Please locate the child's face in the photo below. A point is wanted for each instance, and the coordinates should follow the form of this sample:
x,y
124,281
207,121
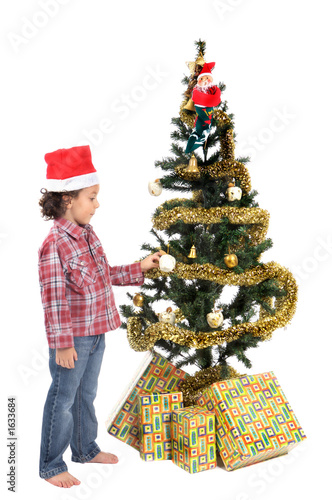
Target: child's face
x,y
81,209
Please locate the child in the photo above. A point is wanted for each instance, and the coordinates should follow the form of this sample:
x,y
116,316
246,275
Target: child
x,y
76,288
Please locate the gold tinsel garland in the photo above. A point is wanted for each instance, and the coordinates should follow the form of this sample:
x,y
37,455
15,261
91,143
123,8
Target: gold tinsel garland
x,y
226,168
284,308
227,145
187,117
230,168
256,217
193,386
221,117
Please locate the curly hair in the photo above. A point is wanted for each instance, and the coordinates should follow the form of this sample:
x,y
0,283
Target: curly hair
x,y
53,204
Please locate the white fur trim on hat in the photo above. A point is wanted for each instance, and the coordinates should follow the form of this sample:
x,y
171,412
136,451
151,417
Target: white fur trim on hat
x,y
204,74
72,183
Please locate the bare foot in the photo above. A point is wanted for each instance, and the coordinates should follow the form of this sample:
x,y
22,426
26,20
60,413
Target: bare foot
x,y
63,480
104,458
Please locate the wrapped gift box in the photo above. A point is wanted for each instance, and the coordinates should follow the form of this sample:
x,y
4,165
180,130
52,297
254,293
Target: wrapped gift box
x,y
155,374
254,420
194,439
155,413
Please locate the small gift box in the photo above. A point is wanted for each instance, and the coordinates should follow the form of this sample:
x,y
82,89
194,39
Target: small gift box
x,y
193,439
155,411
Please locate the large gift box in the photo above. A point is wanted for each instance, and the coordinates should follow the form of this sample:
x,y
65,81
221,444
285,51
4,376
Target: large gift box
x,y
155,374
254,420
155,413
193,439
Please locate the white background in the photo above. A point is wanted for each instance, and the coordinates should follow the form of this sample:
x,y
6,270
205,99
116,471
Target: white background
x,y
76,72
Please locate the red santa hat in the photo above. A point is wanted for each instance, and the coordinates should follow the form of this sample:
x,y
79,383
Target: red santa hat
x,y
70,169
206,70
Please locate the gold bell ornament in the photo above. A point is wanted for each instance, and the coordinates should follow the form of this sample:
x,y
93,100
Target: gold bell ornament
x,y
192,253
192,166
138,300
190,106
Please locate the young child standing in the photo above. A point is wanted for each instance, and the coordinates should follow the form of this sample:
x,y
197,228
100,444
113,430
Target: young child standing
x,y
76,289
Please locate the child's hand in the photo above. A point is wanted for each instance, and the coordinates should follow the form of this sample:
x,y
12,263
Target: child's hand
x,y
150,262
66,357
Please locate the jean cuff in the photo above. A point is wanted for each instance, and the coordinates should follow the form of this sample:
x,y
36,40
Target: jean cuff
x,y
54,472
87,458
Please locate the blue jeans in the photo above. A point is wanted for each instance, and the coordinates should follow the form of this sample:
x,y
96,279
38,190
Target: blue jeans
x,y
69,415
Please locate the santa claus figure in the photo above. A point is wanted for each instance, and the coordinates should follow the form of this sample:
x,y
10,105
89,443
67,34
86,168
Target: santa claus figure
x,y
205,97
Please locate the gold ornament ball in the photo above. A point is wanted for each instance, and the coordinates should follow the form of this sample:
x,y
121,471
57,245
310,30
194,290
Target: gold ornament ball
x,y
138,300
231,260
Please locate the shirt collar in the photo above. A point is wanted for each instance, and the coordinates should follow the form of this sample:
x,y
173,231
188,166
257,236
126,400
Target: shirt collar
x,y
72,229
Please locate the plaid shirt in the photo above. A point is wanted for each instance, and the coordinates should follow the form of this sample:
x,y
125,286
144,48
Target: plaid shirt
x,y
76,284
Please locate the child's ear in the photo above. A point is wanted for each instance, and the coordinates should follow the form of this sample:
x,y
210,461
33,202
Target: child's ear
x,y
68,200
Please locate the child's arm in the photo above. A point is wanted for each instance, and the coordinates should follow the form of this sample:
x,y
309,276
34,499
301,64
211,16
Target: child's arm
x,y
132,274
66,357
53,293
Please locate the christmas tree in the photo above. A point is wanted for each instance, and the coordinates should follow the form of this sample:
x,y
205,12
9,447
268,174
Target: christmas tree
x,y
215,238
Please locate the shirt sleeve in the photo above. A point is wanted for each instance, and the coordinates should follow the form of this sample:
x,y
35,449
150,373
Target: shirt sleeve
x,y
127,275
53,292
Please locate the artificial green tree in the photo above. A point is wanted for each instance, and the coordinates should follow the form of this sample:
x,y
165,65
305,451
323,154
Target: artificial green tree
x,y
264,294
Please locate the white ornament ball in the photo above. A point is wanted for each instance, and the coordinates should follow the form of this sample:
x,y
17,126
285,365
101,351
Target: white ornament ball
x,y
155,187
215,319
167,263
234,193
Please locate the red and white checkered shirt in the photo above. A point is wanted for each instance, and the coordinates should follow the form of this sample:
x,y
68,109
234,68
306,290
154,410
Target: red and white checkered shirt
x,y
76,284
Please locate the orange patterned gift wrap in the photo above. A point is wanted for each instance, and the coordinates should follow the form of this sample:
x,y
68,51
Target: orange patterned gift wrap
x,y
194,439
155,411
155,374
254,421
